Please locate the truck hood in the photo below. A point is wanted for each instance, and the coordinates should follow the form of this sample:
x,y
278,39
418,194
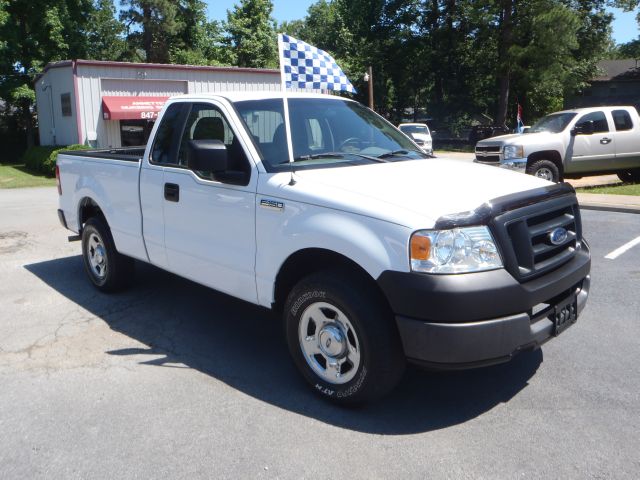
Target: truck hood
x,y
412,193
519,139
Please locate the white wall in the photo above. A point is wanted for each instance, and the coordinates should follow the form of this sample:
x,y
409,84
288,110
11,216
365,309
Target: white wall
x,y
66,132
94,81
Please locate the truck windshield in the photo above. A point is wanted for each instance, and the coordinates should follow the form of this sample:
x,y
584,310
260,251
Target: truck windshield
x,y
414,129
554,123
325,132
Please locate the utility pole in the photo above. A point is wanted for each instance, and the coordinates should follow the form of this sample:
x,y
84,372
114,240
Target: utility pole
x,y
370,74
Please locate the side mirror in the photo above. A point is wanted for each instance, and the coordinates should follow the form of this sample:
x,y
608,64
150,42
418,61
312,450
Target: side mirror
x,y
586,128
207,156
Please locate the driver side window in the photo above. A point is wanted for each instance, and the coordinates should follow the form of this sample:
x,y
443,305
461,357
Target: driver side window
x,y
599,119
207,122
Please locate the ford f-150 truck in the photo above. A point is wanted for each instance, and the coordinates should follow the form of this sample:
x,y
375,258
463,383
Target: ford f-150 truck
x,y
371,252
570,144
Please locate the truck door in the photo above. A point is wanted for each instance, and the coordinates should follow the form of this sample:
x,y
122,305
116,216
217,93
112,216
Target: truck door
x,y
593,152
162,152
627,140
209,218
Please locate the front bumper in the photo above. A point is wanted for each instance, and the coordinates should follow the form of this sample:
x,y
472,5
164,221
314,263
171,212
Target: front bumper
x,y
517,164
476,319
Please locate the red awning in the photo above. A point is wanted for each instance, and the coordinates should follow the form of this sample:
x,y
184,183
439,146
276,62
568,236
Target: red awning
x,y
132,108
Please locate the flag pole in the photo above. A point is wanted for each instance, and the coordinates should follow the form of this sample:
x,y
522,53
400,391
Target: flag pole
x,y
283,85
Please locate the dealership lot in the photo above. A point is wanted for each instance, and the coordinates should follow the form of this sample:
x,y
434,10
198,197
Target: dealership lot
x,y
171,379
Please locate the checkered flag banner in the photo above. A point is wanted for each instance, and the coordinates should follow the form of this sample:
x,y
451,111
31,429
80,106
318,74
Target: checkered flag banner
x,y
305,66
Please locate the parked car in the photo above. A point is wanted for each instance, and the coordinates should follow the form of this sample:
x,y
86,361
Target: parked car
x,y
571,143
480,132
420,134
374,253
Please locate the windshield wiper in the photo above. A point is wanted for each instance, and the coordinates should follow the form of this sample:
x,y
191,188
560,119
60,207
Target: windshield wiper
x,y
317,156
331,155
395,153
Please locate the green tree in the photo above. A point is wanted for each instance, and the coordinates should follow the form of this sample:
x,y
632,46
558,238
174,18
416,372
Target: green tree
x,y
199,42
251,34
34,33
630,49
152,26
105,34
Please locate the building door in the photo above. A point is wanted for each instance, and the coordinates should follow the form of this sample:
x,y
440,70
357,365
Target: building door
x,y
134,133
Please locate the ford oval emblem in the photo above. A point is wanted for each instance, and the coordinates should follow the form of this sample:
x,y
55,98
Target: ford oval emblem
x,y
558,236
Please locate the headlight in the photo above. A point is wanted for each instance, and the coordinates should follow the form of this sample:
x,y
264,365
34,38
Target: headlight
x,y
513,151
459,250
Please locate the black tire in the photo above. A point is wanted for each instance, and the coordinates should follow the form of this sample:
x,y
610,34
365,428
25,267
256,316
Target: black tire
x,y
115,272
366,322
630,176
545,169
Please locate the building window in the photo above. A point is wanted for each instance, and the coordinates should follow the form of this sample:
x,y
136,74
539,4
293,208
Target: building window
x,y
65,101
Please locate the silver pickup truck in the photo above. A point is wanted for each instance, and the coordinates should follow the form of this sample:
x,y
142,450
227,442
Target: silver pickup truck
x,y
571,144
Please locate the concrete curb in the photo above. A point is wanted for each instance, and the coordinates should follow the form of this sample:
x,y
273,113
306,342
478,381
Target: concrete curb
x,y
609,208
609,203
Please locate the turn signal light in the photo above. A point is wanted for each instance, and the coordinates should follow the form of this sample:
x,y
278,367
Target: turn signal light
x,y
59,185
420,247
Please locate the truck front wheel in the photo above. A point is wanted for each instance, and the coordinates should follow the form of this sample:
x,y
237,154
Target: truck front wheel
x,y
108,270
544,169
629,176
342,338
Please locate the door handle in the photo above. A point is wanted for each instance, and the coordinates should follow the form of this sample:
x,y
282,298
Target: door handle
x,y
605,141
172,192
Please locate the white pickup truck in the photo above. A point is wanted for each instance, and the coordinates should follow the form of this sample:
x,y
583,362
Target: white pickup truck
x,y
370,250
571,144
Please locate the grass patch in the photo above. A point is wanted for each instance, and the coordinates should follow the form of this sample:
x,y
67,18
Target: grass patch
x,y
17,176
624,189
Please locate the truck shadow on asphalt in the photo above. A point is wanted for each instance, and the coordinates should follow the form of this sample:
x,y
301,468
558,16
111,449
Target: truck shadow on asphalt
x,y
182,323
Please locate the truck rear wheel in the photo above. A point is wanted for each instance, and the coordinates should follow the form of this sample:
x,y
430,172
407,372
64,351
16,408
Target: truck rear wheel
x,y
108,270
629,176
342,338
544,169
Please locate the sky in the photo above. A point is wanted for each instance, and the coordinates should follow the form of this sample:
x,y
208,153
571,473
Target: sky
x,y
625,27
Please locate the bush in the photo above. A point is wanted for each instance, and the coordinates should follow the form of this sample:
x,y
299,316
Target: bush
x,y
43,159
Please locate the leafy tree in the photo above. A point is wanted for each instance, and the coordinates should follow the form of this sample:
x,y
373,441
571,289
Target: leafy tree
x,y
152,25
199,42
251,34
33,33
630,49
105,34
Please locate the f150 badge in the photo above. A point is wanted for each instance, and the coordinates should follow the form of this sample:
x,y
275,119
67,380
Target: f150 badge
x,y
272,204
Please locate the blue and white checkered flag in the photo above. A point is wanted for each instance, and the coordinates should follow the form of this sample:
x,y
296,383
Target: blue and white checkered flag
x,y
305,66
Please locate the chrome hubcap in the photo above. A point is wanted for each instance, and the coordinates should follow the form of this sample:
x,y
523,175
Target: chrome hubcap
x,y
545,173
97,256
329,343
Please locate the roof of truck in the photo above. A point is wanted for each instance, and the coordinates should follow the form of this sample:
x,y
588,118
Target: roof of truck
x,y
594,109
235,96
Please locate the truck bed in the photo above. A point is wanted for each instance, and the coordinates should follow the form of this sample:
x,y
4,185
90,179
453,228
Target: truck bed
x,y
128,154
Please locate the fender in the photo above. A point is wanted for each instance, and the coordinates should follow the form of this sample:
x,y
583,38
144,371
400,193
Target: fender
x,y
364,240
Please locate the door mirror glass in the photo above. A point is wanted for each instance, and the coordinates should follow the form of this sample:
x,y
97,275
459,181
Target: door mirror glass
x,y
584,128
207,156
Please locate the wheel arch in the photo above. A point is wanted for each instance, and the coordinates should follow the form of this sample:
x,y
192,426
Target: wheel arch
x,y
306,261
87,208
550,155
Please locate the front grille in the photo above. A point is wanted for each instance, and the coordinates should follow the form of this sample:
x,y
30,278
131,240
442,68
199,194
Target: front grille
x,y
488,158
489,153
524,235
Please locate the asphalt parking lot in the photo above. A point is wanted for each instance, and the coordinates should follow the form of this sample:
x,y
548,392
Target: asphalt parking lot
x,y
172,380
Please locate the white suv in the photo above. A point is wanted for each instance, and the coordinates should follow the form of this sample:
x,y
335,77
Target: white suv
x,y
419,133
